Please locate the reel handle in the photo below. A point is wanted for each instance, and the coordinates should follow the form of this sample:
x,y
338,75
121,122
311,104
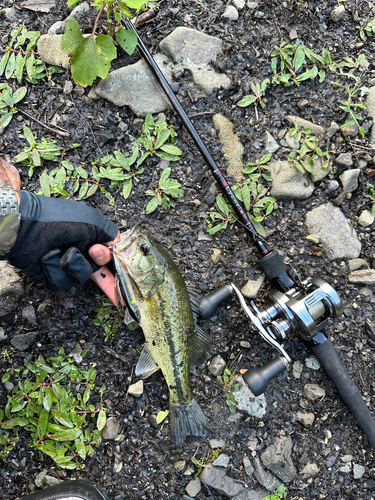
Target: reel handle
x,y
329,358
259,378
209,303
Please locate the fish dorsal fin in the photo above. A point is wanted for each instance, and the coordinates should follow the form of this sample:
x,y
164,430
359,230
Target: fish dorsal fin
x,y
146,365
200,347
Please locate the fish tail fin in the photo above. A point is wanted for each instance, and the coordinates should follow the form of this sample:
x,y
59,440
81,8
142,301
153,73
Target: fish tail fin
x,y
187,420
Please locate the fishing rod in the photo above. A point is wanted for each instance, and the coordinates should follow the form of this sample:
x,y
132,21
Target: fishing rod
x,y
302,308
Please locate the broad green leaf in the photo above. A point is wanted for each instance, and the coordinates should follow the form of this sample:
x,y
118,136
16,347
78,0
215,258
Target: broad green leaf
x,y
135,4
246,196
127,40
163,137
126,188
5,377
10,424
222,205
35,155
20,64
3,62
152,205
45,184
83,190
102,418
92,190
19,94
246,101
5,120
86,394
91,56
63,419
29,135
172,150
218,227
42,423
265,158
348,124
10,66
299,58
67,435
164,176
48,398
18,406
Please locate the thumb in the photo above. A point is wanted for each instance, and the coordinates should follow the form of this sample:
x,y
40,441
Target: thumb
x,y
100,254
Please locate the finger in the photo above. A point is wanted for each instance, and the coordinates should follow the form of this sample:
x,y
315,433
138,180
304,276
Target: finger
x,y
106,282
116,240
100,254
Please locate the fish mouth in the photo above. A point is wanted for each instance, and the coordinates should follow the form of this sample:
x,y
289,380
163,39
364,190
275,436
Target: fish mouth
x,y
128,243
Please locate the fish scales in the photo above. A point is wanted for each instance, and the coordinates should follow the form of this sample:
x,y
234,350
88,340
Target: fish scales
x,y
156,295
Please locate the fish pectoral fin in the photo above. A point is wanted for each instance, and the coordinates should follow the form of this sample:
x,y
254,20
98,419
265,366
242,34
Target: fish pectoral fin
x,y
146,365
200,347
194,300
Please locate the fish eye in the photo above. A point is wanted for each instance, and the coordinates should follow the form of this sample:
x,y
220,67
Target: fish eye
x,y
144,249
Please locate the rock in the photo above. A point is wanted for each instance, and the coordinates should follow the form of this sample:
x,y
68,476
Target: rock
x,y
239,4
52,481
332,185
337,13
195,51
2,334
80,11
50,51
217,365
136,389
39,480
314,238
180,465
216,255
339,240
247,494
371,112
254,406
245,344
290,140
28,313
221,461
194,487
313,392
142,93
344,160
288,183
23,341
251,289
297,369
249,469
217,443
266,479
271,145
315,129
303,103
204,236
332,129
349,180
366,218
252,5
215,477
332,460
111,428
309,470
230,13
355,264
58,28
320,173
306,419
363,277
231,146
9,386
346,468
358,471
278,459
11,288
11,13
312,363
350,130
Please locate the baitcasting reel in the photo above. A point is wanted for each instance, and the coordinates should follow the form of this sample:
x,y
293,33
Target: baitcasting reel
x,y
303,310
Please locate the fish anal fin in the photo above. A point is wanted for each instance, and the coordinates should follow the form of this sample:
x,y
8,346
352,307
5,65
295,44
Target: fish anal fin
x,y
146,365
200,347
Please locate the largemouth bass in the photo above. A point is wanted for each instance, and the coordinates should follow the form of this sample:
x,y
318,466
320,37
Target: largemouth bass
x,y
158,299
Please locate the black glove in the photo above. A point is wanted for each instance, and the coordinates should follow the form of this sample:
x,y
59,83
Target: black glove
x,y
54,238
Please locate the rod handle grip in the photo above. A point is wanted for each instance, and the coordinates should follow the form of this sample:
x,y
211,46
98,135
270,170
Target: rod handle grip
x,y
349,392
259,378
209,303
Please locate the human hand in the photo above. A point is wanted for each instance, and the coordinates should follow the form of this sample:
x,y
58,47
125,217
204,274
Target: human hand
x,y
54,238
103,277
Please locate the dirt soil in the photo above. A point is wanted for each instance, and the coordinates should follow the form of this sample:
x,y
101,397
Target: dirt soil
x,y
147,453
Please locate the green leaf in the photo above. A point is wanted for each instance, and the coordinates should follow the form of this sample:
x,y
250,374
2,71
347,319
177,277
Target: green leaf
x,y
222,205
102,418
246,196
172,150
218,227
42,423
35,155
246,101
126,188
92,190
5,377
163,137
10,424
127,40
265,158
5,120
67,435
152,205
19,94
29,136
299,58
3,62
10,66
91,56
164,176
135,4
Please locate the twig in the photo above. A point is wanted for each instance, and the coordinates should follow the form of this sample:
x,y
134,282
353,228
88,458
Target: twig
x,y
202,113
55,131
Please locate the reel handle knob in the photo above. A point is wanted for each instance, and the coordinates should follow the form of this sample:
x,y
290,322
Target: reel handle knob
x,y
209,303
259,378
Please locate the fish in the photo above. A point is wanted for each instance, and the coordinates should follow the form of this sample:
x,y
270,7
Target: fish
x,y
160,302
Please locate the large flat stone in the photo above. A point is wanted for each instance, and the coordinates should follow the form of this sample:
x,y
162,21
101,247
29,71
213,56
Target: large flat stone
x,y
338,239
288,183
231,146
